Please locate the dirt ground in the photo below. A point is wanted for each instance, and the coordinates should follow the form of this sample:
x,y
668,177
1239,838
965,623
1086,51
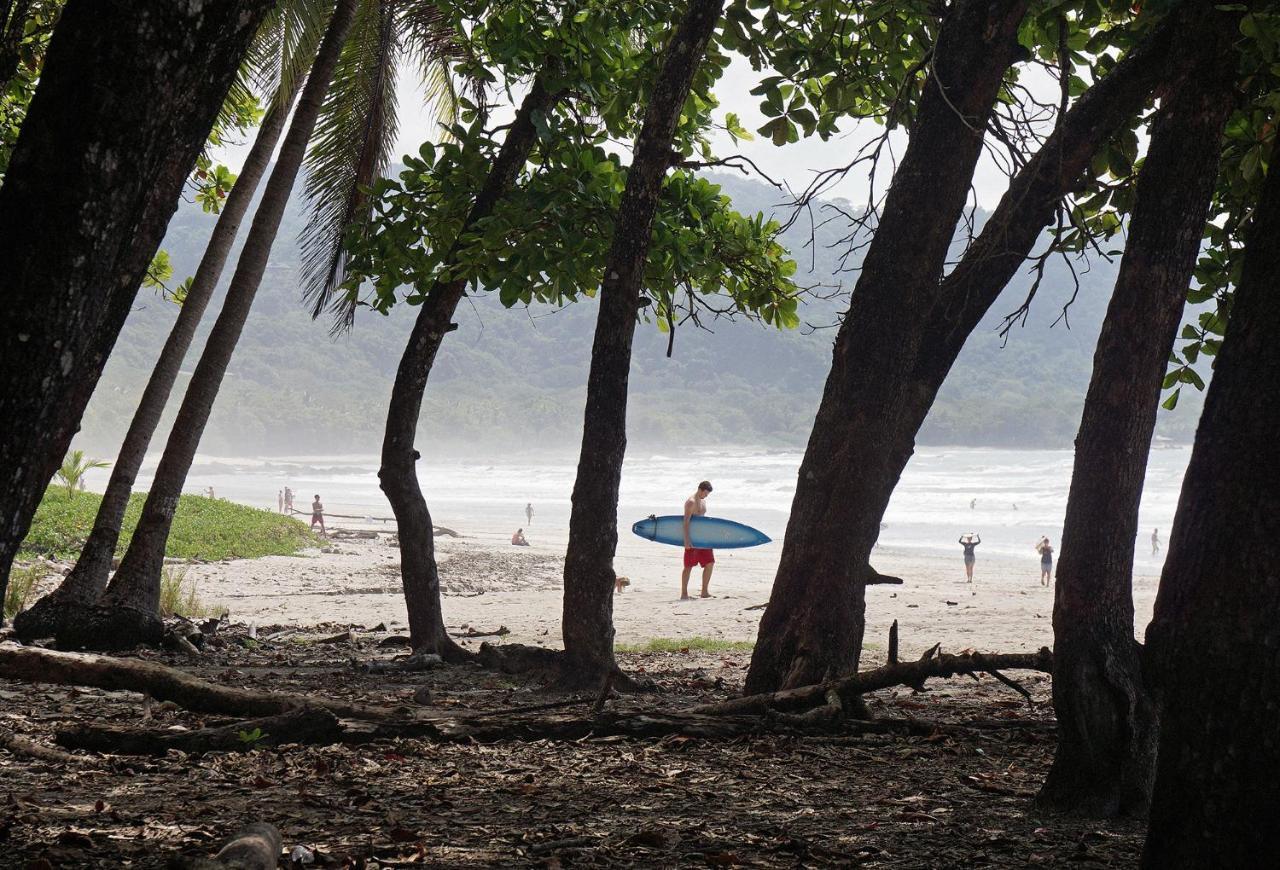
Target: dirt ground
x,y
945,800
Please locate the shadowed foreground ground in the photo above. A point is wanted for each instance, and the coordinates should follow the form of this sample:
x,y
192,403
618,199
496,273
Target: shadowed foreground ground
x,y
769,801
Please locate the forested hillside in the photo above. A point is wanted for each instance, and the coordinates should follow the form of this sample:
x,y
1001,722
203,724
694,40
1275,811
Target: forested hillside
x,y
515,379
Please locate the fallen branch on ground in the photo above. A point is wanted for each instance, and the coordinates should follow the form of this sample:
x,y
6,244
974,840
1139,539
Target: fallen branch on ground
x,y
19,745
936,664
306,725
415,662
36,665
500,631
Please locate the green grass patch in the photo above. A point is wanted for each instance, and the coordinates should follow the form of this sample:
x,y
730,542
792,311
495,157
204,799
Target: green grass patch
x,y
686,644
180,597
24,584
203,528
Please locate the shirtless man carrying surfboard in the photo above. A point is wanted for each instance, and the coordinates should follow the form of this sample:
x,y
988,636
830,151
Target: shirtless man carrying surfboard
x,y
696,505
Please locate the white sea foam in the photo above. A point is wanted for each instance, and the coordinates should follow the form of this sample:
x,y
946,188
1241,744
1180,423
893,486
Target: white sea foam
x,y
929,510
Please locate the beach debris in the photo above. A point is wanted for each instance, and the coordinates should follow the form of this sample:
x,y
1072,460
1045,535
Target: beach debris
x,y
396,640
500,631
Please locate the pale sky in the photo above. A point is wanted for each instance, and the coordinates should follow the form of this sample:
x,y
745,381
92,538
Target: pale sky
x,y
793,164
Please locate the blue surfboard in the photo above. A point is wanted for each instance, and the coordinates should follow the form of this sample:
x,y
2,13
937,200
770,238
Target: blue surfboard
x,y
711,532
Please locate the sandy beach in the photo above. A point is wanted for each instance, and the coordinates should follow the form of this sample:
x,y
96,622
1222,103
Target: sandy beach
x,y
488,583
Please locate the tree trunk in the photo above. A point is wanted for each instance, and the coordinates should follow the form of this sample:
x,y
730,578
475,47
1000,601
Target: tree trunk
x,y
814,622
1214,643
89,577
965,296
136,585
398,475
1106,728
587,622
86,199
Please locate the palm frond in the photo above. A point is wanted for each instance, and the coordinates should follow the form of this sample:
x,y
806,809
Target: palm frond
x,y
349,151
432,43
284,47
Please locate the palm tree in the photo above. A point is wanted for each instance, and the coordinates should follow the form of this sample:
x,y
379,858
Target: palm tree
x,y
73,470
130,614
356,130
278,59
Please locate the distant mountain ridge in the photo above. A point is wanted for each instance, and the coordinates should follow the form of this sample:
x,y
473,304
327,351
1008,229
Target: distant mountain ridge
x,y
515,379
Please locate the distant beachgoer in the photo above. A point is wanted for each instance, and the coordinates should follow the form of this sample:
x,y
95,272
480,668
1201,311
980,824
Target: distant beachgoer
x,y
969,541
696,506
518,539
317,515
1046,560
288,500
973,503
528,512
1155,542
280,501
209,492
1015,505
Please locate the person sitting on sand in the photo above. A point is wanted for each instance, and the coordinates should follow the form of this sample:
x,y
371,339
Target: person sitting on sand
x,y
518,539
1046,560
696,506
969,541
317,515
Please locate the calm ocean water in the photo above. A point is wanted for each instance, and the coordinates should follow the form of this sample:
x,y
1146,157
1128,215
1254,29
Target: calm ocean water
x,y
1016,495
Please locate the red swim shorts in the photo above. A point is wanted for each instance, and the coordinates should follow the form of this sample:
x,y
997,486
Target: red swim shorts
x,y
698,556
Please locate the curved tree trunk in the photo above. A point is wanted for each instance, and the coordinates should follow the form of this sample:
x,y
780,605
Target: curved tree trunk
x,y
89,577
587,622
1106,721
398,475
814,622
966,294
86,199
1214,644
136,585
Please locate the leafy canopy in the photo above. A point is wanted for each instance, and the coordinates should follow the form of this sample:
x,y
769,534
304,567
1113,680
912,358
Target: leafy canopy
x,y
548,239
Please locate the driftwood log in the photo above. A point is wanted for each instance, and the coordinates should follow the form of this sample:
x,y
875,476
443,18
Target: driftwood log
x,y
934,664
306,725
36,665
256,847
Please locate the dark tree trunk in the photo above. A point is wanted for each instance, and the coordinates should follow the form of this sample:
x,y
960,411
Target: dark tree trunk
x,y
87,196
398,475
814,622
136,585
89,577
1214,644
794,637
587,622
1106,720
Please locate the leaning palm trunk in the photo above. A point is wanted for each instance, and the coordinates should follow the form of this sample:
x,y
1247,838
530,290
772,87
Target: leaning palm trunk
x,y
397,475
130,604
89,577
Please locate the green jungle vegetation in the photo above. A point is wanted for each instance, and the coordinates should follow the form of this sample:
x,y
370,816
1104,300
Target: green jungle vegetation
x,y
203,528
514,379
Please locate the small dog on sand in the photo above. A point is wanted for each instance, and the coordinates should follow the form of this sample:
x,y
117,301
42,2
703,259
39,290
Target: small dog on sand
x,y
620,583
